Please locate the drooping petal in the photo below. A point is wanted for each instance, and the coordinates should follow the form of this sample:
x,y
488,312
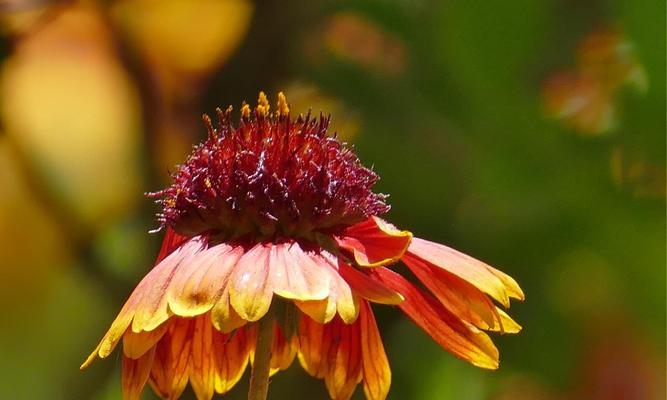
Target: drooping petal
x,y
482,276
251,288
296,275
341,299
200,280
232,352
169,374
202,361
152,309
506,324
374,242
170,243
368,288
331,351
135,374
457,295
136,345
376,372
344,358
461,339
283,350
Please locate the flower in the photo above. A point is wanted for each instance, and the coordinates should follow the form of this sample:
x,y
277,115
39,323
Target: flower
x,y
275,220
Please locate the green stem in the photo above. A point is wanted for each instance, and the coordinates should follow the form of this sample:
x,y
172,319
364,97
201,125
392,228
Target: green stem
x,y
259,380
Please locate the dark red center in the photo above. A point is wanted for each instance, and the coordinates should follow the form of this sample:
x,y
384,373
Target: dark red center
x,y
270,176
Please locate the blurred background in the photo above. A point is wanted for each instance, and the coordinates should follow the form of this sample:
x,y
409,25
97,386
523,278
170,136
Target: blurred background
x,y
530,134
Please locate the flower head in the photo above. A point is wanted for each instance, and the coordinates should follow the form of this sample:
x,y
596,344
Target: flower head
x,y
274,221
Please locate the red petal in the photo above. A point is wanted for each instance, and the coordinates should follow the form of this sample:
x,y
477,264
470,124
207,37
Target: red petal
x,y
368,287
135,374
459,338
484,277
374,242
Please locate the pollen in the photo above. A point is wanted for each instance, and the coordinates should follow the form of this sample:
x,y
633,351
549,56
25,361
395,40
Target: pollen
x,y
269,176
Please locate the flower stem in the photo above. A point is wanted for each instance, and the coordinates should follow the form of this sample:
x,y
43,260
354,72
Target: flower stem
x,y
259,380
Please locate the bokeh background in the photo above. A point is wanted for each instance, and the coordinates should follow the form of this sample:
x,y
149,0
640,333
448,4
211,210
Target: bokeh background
x,y
530,134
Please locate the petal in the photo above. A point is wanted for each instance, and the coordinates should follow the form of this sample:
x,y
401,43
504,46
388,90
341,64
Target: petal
x,y
455,336
376,372
460,297
135,374
368,287
251,289
232,352
506,324
199,280
475,272
344,358
136,345
331,351
283,351
118,327
202,363
341,299
312,347
169,374
374,242
171,242
297,276
152,308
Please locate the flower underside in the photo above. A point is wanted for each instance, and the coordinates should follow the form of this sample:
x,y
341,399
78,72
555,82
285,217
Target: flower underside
x,y
268,177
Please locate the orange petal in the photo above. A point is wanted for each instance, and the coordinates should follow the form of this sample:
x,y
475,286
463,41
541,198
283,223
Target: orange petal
x,y
344,359
283,351
367,287
169,374
251,288
479,274
376,372
118,327
341,299
135,374
313,347
136,345
374,242
454,335
202,362
297,276
460,297
152,308
331,351
232,352
199,280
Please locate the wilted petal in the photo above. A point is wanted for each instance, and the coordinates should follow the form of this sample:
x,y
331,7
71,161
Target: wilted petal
x,y
374,242
459,338
376,372
251,288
